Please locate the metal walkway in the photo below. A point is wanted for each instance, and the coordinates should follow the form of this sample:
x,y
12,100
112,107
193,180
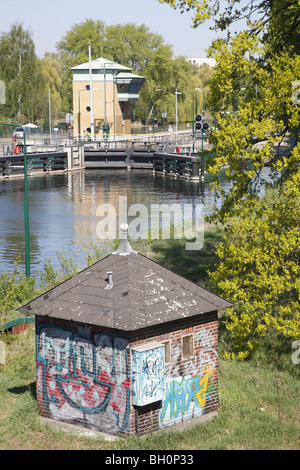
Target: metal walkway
x,y
174,164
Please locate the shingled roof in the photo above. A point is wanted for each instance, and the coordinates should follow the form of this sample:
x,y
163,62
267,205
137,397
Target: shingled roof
x,y
125,291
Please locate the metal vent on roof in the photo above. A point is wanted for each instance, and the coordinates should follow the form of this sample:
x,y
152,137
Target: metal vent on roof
x,y
109,280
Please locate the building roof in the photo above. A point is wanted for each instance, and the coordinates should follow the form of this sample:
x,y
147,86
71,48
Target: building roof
x,y
125,291
100,64
128,77
120,73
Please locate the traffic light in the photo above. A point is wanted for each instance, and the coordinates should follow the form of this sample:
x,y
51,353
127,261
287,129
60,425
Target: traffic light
x,y
198,122
205,126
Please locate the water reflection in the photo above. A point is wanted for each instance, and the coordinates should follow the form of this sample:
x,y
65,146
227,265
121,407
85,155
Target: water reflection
x,y
62,209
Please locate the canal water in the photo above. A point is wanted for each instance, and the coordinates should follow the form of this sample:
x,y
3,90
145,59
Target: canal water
x,y
63,210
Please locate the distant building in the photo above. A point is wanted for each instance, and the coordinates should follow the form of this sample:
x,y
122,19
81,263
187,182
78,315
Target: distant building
x,y
198,61
114,87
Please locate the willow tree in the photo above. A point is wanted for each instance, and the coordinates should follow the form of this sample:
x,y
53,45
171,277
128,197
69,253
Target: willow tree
x,y
19,71
136,47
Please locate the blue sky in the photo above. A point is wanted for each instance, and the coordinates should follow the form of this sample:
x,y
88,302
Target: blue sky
x,y
50,20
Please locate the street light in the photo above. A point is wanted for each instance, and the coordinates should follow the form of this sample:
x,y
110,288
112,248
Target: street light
x,y
203,111
91,92
176,93
26,205
79,115
153,112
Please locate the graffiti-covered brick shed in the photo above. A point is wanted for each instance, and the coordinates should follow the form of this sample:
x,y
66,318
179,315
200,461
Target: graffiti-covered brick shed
x,y
126,346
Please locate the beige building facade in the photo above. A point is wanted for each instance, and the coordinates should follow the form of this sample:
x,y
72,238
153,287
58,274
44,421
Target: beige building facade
x,y
105,109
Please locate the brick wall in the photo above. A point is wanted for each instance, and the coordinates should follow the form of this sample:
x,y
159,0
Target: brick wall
x,y
191,380
84,374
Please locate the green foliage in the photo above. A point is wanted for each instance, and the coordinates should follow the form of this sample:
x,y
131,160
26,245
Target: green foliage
x,y
257,411
278,22
259,258
166,73
144,52
15,289
49,276
52,72
259,267
249,139
252,95
132,45
18,70
75,43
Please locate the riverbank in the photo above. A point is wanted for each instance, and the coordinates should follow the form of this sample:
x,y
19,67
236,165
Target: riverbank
x,y
257,396
257,412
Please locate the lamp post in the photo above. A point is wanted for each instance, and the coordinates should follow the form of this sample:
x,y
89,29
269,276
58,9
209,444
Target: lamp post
x,y
114,98
203,111
91,92
153,110
26,205
105,127
79,115
176,129
26,211
203,114
193,119
50,123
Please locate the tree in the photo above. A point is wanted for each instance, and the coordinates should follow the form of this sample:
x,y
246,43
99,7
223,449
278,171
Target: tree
x,y
262,117
278,21
259,266
51,79
136,47
132,45
75,43
18,69
257,109
166,73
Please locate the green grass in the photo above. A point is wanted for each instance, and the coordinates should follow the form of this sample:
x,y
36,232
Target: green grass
x,y
259,399
191,264
258,410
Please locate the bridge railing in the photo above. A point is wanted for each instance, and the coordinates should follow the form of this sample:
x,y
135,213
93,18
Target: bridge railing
x,y
184,139
12,165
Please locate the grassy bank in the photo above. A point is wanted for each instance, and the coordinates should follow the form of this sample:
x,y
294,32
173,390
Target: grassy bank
x,y
191,264
259,410
258,398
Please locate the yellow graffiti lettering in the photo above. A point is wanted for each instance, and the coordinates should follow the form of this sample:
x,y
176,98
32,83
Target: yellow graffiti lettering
x,y
201,394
